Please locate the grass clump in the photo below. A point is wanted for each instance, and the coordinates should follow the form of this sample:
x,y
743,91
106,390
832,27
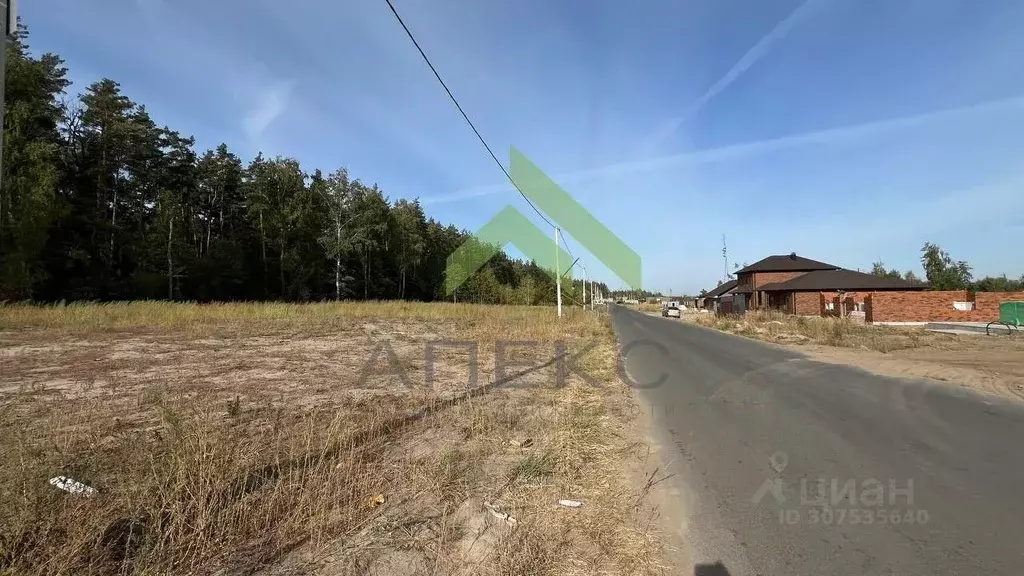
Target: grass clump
x,y
533,466
175,498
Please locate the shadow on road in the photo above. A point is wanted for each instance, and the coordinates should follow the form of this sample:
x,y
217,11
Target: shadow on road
x,y
716,569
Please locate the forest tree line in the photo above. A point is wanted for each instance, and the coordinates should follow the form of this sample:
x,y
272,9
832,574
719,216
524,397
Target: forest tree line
x,y
98,202
943,273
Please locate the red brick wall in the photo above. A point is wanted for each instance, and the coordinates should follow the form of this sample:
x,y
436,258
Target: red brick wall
x,y
918,307
762,278
755,280
936,306
813,303
850,301
808,303
987,303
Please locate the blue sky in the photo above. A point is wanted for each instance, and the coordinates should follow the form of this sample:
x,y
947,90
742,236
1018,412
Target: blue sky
x,y
844,130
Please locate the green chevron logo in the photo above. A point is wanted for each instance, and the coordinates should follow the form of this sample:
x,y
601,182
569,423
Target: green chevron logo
x,y
510,226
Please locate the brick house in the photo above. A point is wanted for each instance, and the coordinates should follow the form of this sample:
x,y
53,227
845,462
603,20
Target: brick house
x,y
719,297
833,292
802,286
806,287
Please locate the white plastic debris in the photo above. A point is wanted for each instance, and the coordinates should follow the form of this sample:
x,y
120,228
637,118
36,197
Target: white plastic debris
x,y
570,503
71,485
499,514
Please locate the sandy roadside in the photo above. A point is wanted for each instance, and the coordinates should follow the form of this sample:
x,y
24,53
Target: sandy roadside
x,y
989,371
989,364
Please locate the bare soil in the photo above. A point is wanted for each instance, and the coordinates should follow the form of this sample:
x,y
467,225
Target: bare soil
x,y
299,445
993,365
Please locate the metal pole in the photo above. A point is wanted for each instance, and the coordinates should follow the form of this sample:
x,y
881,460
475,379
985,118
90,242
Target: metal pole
x,y
586,276
558,277
585,288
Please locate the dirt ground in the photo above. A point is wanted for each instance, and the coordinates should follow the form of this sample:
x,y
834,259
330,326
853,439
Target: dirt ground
x,y
989,364
993,365
298,442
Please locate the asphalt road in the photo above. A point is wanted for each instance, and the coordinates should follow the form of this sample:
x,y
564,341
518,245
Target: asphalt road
x,y
752,431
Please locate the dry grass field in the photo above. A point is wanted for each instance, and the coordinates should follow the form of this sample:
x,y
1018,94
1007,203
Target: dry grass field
x,y
287,439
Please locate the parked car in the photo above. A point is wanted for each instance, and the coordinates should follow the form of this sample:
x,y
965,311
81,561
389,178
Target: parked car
x,y
670,309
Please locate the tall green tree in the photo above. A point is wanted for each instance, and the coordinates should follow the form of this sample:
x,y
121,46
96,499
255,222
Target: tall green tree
x,y
306,217
942,272
335,237
29,201
409,232
225,257
878,269
370,234
999,284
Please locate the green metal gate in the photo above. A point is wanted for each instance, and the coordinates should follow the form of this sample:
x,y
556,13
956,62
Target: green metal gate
x,y
1012,313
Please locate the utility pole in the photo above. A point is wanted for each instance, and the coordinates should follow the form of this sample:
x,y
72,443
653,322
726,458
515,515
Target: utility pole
x,y
725,258
558,277
585,278
9,21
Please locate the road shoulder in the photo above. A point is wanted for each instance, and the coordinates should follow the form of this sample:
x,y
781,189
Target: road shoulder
x,y
988,365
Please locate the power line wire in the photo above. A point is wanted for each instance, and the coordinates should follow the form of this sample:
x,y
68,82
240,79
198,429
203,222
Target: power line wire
x,y
565,244
472,126
567,270
463,112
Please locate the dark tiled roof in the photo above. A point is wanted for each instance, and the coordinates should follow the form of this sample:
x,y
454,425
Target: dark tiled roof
x,y
786,263
841,280
721,289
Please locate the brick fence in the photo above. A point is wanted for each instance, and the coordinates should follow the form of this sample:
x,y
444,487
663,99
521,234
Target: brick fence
x,y
936,306
849,302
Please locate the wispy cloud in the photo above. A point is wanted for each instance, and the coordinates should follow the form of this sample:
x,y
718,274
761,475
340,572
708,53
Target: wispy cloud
x,y
745,149
907,222
271,102
756,52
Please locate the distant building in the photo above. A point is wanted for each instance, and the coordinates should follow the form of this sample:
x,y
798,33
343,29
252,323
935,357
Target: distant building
x,y
712,300
794,284
801,286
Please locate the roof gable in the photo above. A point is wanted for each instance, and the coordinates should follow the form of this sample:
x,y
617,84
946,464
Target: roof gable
x,y
842,279
721,289
786,263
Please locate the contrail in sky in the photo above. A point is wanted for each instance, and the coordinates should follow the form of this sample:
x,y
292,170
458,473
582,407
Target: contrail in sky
x,y
758,147
756,52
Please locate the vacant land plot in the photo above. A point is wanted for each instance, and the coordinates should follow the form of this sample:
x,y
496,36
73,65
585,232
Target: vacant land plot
x,y
993,364
325,438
